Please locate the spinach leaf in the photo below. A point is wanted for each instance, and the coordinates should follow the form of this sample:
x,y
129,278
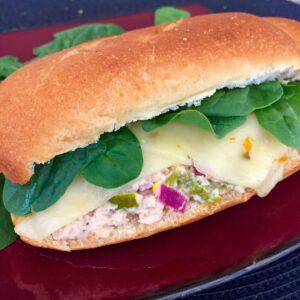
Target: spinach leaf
x,y
282,119
113,161
63,171
18,198
7,233
77,35
121,162
218,125
169,14
8,65
224,111
49,182
186,116
223,125
241,101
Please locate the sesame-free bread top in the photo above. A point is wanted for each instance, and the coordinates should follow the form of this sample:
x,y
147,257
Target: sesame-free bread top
x,y
291,27
66,100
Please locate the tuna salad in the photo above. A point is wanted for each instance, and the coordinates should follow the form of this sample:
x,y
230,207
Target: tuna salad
x,y
147,201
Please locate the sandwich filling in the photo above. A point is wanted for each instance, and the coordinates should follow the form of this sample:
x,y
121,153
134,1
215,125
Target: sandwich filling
x,y
182,164
208,151
146,202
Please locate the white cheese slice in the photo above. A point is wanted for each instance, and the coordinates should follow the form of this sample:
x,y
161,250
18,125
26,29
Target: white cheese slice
x,y
224,159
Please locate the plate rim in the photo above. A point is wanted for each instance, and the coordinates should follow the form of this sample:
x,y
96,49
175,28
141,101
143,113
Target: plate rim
x,y
199,285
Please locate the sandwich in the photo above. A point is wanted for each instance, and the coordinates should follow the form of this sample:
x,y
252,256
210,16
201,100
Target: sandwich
x,y
126,136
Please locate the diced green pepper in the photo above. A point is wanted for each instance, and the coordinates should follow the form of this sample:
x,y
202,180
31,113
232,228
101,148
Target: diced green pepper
x,y
124,201
171,181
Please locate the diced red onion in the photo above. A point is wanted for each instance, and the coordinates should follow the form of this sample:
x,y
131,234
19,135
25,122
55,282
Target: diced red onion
x,y
172,198
196,172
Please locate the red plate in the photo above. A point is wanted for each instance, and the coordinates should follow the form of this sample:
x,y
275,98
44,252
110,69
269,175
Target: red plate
x,y
200,251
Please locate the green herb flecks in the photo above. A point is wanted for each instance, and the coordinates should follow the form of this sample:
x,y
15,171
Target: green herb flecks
x,y
124,201
188,183
213,201
197,189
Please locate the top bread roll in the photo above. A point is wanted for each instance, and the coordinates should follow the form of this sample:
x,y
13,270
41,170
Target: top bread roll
x,y
68,99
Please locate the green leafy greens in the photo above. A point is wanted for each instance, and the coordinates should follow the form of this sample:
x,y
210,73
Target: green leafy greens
x,y
114,160
49,181
224,111
77,35
220,126
121,162
241,101
282,119
169,14
187,116
223,125
8,65
7,233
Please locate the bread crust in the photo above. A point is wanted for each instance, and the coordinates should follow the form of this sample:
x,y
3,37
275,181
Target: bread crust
x,y
289,26
66,100
170,220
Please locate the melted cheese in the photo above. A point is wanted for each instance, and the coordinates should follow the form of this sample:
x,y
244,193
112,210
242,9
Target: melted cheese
x,y
223,159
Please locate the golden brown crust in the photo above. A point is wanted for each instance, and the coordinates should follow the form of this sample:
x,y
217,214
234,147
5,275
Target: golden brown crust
x,y
66,100
169,221
291,27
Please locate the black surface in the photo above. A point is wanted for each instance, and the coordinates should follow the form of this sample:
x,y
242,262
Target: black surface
x,y
21,14
278,280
